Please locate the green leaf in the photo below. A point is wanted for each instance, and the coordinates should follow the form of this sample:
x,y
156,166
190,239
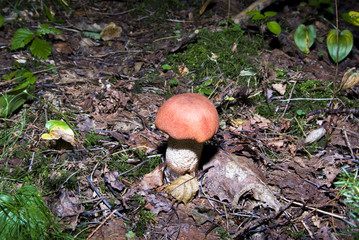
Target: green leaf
x,y
92,35
50,125
10,102
59,129
304,37
40,48
47,29
270,14
49,15
254,12
2,20
345,44
258,17
21,38
352,17
166,67
274,27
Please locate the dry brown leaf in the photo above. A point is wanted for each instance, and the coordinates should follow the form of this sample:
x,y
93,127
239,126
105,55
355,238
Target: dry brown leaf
x,y
280,88
110,32
315,135
153,179
69,207
183,188
350,78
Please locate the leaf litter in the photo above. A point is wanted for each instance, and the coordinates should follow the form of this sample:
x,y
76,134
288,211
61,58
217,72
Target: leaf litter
x,y
259,178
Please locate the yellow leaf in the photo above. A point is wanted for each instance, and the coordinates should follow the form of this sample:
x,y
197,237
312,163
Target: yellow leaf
x,y
57,130
183,188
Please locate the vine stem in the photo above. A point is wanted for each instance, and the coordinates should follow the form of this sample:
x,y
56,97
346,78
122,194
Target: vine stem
x,y
331,106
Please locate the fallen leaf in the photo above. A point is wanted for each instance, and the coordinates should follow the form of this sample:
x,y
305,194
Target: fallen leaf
x,y
231,177
110,32
315,135
69,207
183,188
153,179
280,88
59,129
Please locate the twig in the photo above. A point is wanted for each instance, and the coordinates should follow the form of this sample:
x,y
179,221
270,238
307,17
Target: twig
x,y
103,200
334,111
305,99
348,143
290,96
66,180
102,223
315,209
31,161
139,165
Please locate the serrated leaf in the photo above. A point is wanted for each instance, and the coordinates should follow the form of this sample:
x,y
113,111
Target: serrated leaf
x,y
270,14
345,44
21,38
274,27
304,37
59,129
183,188
40,48
47,29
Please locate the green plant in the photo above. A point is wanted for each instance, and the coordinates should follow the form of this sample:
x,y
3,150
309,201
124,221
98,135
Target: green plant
x,y
9,137
349,184
143,216
304,37
273,26
24,215
351,17
339,44
39,47
10,101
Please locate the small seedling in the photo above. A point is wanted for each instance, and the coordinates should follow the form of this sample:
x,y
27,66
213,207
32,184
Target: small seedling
x,y
273,26
39,47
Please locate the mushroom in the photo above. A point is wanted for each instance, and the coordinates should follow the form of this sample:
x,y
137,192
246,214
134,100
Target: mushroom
x,y
189,119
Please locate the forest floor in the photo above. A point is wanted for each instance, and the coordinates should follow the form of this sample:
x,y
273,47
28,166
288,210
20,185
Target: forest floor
x,y
269,95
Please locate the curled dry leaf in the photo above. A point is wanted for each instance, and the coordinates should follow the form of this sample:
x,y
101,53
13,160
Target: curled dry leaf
x,y
350,78
280,88
59,129
315,135
183,188
110,32
231,178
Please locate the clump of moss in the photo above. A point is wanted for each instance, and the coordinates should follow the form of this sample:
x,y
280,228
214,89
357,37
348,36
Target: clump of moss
x,y
213,57
92,139
120,163
142,217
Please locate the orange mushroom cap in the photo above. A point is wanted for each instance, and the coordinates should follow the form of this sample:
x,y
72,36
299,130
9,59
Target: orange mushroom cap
x,y
188,116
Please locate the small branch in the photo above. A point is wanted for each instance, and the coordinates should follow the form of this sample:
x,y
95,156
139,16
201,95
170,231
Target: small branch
x,y
103,200
290,96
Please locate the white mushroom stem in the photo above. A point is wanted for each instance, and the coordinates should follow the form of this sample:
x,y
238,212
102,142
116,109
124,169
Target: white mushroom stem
x,y
183,156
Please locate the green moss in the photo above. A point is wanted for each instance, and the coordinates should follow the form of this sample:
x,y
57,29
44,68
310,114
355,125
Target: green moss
x,y
54,183
92,139
143,217
210,58
119,163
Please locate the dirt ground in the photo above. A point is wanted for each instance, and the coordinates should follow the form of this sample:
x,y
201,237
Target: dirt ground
x,y
279,187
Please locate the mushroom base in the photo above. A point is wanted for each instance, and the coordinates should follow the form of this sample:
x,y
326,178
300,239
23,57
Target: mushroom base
x,y
182,156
